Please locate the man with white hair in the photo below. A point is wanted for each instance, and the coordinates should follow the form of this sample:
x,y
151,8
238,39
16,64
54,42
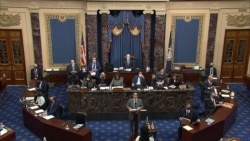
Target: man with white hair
x,y
36,72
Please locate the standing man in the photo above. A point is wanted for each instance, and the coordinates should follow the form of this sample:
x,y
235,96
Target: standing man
x,y
211,70
35,72
72,70
94,68
128,62
134,105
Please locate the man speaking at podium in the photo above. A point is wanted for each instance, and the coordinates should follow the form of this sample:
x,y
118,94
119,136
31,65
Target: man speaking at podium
x,y
134,105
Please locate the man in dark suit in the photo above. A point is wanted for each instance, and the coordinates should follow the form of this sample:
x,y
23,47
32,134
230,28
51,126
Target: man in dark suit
x,y
134,105
138,81
211,70
94,68
128,62
161,79
208,86
72,70
175,81
212,103
35,72
43,87
187,115
53,107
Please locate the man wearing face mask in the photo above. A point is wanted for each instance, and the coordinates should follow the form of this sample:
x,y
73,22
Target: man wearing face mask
x,y
211,70
94,68
138,81
187,115
212,103
128,63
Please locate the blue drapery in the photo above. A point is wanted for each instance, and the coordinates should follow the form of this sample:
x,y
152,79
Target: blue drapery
x,y
126,32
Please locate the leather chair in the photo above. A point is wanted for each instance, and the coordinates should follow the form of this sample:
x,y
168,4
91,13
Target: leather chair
x,y
81,118
60,111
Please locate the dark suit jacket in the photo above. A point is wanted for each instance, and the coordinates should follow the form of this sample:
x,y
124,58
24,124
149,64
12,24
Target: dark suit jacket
x,y
98,68
207,87
207,71
44,88
131,104
192,115
142,80
130,65
176,83
70,69
53,110
33,74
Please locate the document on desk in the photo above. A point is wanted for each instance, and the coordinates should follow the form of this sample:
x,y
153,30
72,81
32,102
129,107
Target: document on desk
x,y
34,107
48,117
228,105
29,98
187,127
31,89
39,111
3,131
209,120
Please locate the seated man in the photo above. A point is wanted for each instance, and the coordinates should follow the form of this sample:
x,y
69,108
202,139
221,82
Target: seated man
x,y
212,103
116,81
72,70
35,72
175,81
187,116
128,63
138,81
161,79
52,109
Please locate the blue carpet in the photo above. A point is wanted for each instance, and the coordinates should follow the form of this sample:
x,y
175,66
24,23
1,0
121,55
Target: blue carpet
x,y
118,130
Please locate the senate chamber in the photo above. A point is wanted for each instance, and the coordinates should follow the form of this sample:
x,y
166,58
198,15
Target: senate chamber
x,y
131,70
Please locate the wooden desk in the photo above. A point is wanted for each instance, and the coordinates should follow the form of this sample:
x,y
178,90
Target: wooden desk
x,y
128,76
53,129
57,77
9,136
224,119
106,104
191,75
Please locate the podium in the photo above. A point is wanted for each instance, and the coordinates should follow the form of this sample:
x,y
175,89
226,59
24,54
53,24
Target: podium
x,y
136,122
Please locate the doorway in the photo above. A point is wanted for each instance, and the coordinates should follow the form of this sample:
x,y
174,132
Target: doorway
x,y
235,55
12,62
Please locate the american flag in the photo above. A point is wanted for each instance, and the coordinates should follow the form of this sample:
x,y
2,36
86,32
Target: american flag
x,y
83,52
169,57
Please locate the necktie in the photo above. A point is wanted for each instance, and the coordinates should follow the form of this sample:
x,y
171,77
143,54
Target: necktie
x,y
36,74
73,67
40,86
94,66
135,103
211,71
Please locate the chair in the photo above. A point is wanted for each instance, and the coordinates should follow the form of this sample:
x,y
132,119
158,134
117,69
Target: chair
x,y
81,118
60,111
